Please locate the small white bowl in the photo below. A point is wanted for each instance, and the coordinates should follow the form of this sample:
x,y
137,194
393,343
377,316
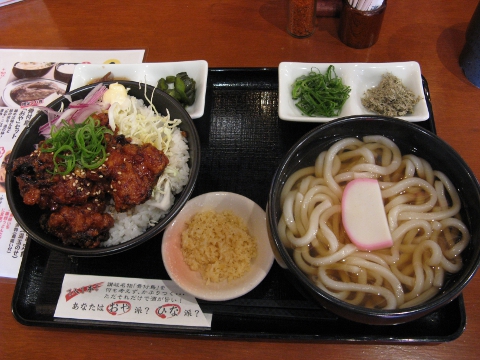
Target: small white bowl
x,y
191,281
148,73
360,77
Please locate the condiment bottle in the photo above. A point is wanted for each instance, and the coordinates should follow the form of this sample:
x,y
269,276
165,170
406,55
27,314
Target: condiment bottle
x,y
360,29
301,17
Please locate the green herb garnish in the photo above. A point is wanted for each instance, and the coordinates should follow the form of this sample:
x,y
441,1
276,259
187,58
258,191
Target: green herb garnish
x,y
320,95
78,145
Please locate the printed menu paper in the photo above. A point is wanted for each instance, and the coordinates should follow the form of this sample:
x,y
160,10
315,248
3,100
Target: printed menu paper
x,y
19,95
12,237
131,300
37,77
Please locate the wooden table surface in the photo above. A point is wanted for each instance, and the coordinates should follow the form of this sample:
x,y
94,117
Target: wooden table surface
x,y
247,33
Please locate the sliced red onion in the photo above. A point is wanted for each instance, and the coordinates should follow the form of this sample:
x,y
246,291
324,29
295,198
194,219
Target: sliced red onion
x,y
95,94
82,114
77,112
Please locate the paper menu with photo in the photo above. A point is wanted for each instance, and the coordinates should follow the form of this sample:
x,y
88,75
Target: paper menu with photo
x,y
37,77
12,237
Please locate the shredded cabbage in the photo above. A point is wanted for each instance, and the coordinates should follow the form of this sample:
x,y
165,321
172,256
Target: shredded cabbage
x,y
142,123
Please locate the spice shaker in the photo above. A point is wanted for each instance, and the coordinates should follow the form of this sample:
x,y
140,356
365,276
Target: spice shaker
x,y
301,17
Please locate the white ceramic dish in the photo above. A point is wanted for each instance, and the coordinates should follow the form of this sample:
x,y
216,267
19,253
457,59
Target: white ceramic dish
x,y
148,73
360,77
191,281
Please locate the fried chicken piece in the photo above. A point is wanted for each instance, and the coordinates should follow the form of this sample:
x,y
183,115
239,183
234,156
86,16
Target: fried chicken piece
x,y
85,225
38,185
133,170
76,202
102,117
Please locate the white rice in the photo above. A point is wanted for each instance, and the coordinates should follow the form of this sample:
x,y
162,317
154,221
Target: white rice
x,y
134,222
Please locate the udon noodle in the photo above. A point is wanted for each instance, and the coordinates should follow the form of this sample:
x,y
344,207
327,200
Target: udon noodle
x,y
422,208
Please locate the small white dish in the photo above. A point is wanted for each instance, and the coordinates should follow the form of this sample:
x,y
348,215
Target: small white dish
x,y
191,281
360,77
148,73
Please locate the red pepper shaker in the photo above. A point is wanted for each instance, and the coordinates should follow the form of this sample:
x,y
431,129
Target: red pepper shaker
x,y
301,17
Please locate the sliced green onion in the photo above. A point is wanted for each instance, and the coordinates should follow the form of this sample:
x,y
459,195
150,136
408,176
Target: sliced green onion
x,y
79,145
320,94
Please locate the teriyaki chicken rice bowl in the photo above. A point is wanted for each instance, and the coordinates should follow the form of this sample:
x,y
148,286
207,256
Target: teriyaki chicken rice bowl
x,y
108,168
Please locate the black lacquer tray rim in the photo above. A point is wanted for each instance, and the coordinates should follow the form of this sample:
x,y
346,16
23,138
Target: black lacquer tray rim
x,y
219,75
88,325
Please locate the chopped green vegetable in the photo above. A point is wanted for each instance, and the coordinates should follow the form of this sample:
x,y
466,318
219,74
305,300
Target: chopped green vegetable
x,y
79,145
162,84
179,85
320,95
183,88
170,79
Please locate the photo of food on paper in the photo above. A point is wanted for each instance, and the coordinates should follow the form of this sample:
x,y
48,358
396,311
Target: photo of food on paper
x,y
36,83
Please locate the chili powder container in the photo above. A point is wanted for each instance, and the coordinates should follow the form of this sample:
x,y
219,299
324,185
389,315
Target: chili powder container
x,y
301,17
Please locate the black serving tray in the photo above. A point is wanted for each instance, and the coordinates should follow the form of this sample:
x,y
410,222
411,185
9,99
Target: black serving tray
x,y
242,141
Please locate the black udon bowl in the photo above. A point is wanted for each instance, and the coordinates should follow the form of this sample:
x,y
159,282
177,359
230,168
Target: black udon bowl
x,y
28,216
410,138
